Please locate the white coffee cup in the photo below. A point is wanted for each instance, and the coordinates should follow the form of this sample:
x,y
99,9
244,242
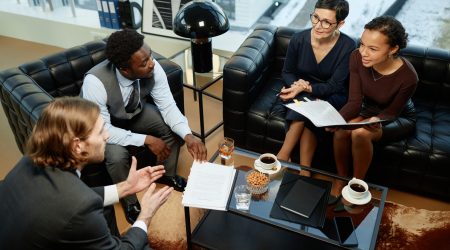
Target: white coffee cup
x,y
267,161
357,188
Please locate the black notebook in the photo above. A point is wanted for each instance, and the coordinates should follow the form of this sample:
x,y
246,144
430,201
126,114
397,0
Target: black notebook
x,y
303,198
317,217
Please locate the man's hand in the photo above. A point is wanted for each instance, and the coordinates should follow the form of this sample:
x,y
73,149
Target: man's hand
x,y
151,201
196,148
158,147
140,179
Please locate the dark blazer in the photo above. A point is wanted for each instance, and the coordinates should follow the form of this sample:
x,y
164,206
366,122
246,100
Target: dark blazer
x,y
48,208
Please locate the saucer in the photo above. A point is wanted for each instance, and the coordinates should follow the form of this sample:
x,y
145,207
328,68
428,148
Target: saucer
x,y
360,201
268,171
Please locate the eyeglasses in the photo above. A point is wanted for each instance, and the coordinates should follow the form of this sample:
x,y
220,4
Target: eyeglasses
x,y
324,23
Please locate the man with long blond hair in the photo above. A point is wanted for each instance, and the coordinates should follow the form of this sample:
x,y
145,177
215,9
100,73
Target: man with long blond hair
x,y
45,205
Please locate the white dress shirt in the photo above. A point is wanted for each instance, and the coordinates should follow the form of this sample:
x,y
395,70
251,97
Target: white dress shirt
x,y
94,90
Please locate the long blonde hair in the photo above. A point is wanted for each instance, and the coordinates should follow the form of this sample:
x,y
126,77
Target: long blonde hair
x,y
62,121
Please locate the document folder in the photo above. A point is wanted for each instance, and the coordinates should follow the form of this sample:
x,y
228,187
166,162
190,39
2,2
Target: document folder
x,y
303,198
317,218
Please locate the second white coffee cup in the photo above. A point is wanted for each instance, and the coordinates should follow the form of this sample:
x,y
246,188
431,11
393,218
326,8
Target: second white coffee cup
x,y
357,188
267,161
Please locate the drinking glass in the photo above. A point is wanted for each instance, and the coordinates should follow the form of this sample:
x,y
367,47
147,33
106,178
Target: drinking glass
x,y
226,147
243,197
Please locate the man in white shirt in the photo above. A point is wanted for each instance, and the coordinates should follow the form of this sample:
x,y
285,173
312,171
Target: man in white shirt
x,y
45,205
120,86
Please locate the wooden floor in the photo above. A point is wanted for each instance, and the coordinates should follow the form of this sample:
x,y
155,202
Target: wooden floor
x,y
15,52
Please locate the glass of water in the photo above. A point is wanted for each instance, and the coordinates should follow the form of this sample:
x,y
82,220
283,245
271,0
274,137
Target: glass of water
x,y
243,197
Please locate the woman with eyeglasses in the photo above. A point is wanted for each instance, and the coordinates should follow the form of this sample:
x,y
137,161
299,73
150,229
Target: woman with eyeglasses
x,y
381,86
316,67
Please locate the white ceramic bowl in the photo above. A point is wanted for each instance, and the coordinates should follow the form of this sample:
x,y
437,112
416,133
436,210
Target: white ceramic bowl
x,y
263,184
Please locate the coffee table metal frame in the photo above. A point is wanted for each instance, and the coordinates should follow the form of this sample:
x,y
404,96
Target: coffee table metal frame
x,y
266,225
212,77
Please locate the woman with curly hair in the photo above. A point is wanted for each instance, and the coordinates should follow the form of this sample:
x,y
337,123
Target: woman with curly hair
x,y
381,86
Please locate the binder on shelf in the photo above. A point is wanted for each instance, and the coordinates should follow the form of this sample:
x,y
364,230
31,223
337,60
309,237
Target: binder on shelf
x,y
106,14
100,13
114,13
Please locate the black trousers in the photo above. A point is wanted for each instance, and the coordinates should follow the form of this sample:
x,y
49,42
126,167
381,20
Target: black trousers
x,y
149,122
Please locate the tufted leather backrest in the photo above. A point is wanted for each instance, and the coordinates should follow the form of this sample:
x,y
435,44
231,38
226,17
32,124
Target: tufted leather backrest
x,y
27,89
282,39
62,74
433,67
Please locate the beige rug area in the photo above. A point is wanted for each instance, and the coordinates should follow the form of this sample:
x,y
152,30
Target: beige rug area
x,y
401,227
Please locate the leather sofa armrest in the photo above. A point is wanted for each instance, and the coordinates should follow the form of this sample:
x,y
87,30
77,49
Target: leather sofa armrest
x,y
23,101
243,78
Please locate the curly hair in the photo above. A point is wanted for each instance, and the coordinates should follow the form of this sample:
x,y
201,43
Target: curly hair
x,y
340,6
392,29
66,118
121,45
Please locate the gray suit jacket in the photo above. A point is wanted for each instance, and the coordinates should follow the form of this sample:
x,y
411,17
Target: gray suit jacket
x,y
48,208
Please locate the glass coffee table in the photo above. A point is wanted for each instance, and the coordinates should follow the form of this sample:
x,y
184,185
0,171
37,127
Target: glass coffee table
x,y
255,229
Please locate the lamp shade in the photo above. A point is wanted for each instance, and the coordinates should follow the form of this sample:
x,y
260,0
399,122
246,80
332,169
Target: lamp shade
x,y
200,19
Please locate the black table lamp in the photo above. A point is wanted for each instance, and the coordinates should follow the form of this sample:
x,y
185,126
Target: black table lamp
x,y
200,20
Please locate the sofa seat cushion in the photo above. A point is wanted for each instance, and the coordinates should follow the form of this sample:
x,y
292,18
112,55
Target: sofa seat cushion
x,y
423,159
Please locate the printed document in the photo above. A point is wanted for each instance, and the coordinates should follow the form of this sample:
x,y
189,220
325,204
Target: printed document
x,y
323,114
209,186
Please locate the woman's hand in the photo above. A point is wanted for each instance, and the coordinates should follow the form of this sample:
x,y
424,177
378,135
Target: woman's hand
x,y
296,88
374,126
304,85
331,129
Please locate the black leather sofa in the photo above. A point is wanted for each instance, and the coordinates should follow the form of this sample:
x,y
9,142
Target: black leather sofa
x,y
254,116
27,89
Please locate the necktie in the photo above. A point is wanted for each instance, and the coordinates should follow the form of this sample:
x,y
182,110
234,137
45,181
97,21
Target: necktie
x,y
134,100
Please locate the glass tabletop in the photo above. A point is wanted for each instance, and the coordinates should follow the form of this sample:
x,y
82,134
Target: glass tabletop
x,y
202,80
366,218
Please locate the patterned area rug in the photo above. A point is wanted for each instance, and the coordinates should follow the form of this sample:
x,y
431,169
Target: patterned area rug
x,y
410,228
167,229
401,227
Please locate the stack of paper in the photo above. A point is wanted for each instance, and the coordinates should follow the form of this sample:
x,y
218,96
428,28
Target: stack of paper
x,y
209,186
322,114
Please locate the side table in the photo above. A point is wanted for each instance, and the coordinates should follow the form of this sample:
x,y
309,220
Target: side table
x,y
199,83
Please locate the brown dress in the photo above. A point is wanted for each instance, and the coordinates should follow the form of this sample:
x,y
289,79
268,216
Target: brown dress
x,y
385,96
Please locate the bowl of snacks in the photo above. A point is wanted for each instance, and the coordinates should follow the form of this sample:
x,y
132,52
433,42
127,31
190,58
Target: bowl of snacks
x,y
257,182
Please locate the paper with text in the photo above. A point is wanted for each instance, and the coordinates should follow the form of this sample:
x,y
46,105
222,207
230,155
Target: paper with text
x,y
209,186
323,114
